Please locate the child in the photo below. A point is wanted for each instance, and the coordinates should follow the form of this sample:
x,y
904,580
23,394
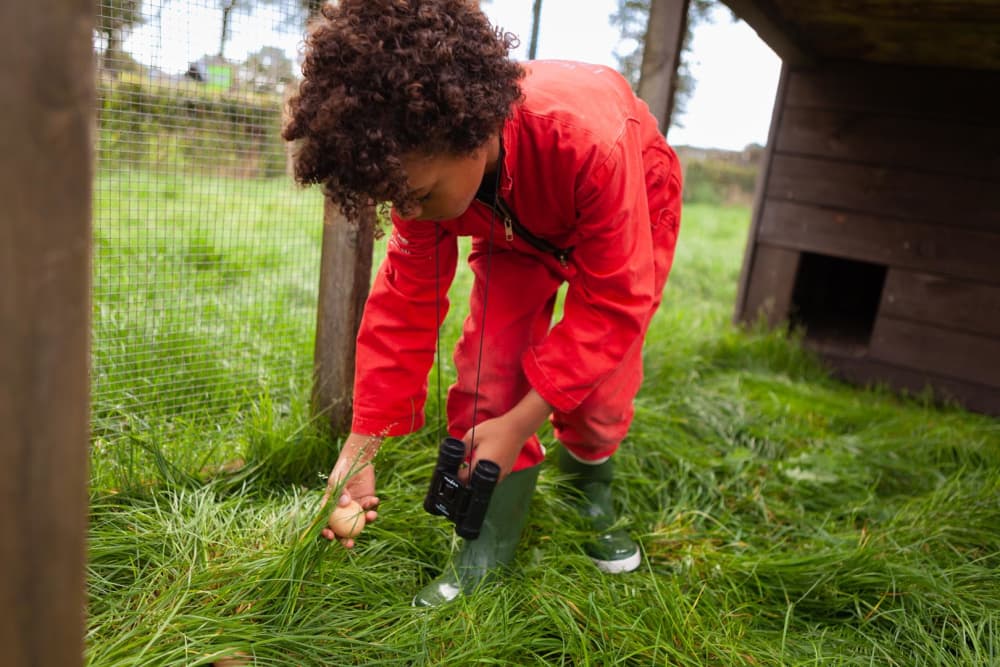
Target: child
x,y
559,174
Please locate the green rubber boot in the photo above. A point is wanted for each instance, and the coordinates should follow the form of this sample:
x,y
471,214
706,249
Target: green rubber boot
x,y
611,549
482,559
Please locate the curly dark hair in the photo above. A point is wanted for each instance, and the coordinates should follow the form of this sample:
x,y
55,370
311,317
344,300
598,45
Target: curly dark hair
x,y
388,78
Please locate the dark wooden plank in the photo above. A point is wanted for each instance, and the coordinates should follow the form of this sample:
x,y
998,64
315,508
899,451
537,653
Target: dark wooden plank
x,y
871,372
960,42
345,276
961,253
957,34
946,302
947,11
770,286
760,188
879,139
937,350
951,201
940,93
45,188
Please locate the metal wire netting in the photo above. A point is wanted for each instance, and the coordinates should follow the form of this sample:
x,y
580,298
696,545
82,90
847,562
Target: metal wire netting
x,y
206,256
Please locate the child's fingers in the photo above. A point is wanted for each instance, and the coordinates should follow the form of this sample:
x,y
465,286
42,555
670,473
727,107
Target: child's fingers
x,y
346,542
470,448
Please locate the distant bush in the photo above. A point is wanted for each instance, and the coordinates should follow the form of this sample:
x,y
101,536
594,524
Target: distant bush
x,y
181,124
719,177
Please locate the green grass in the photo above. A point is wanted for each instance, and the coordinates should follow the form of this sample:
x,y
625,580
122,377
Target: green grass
x,y
204,302
786,519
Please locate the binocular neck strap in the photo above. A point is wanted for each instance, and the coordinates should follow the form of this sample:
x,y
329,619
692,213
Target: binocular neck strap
x,y
486,294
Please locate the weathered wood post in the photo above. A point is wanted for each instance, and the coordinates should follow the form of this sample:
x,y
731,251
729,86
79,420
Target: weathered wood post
x,y
661,56
45,193
345,276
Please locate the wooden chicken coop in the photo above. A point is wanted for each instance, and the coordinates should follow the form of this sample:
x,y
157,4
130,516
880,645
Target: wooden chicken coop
x,y
876,225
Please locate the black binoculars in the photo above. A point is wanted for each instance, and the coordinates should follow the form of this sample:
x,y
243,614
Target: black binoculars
x,y
463,505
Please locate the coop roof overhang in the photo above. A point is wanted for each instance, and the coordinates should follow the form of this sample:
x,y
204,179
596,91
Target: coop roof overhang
x,y
961,34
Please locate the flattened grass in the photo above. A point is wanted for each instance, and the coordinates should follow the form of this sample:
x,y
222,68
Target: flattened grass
x,y
785,519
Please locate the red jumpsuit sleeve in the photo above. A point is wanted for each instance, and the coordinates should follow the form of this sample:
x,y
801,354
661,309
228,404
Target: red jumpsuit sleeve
x,y
397,338
608,301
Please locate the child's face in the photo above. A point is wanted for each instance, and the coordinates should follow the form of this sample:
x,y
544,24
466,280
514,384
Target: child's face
x,y
445,185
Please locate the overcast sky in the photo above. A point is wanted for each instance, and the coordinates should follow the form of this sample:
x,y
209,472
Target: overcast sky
x,y
735,73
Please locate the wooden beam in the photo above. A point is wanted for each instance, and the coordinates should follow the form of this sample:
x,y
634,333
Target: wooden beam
x,y
958,95
914,195
938,248
740,312
770,286
765,19
936,33
906,141
661,57
45,186
345,276
942,300
935,349
872,372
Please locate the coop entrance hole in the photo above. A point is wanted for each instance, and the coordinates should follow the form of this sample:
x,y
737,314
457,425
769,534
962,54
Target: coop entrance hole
x,y
836,300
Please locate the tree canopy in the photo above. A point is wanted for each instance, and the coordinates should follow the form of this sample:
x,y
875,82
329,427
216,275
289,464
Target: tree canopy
x,y
632,19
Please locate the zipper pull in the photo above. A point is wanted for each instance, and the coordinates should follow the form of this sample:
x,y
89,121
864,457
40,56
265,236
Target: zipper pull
x,y
508,228
562,259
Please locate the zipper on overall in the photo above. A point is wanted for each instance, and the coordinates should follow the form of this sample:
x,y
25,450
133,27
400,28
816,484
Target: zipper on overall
x,y
511,225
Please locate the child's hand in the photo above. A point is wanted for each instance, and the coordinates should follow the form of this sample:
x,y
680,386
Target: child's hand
x,y
500,439
355,457
495,441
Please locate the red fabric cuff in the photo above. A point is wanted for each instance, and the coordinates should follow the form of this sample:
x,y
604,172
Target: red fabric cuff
x,y
385,427
541,383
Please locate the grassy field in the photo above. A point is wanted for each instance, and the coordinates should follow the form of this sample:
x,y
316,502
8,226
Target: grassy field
x,y
785,519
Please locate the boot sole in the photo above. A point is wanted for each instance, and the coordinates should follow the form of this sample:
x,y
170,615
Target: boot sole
x,y
619,566
446,592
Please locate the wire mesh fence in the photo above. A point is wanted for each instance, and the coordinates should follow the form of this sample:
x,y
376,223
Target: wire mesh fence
x,y
206,256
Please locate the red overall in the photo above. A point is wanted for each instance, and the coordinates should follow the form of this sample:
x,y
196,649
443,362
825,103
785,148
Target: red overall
x,y
585,167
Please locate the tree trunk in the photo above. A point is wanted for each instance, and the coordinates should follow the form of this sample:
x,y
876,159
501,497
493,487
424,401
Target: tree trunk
x,y
112,52
661,56
227,10
536,20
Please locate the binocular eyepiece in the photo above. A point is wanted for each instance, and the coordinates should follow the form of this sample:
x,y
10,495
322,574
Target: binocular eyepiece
x,y
463,505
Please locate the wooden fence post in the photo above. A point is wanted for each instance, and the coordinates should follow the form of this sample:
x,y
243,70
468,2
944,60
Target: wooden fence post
x,y
47,83
345,276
